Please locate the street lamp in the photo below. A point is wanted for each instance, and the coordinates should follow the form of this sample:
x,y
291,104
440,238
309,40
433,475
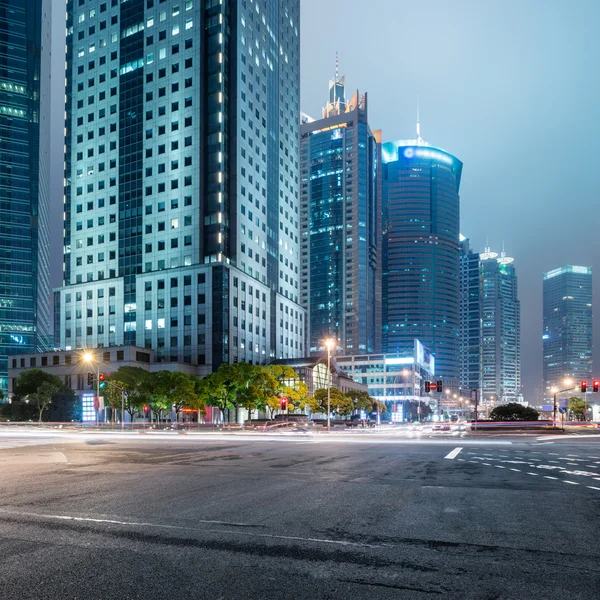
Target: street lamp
x,y
329,344
90,359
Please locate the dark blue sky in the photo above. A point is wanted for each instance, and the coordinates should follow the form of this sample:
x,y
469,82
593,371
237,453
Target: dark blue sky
x,y
511,88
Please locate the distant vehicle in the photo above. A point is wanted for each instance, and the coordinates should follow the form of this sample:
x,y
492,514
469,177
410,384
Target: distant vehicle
x,y
357,421
441,427
287,427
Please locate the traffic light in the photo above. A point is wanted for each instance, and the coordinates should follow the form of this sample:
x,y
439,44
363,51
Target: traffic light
x,y
439,386
427,387
90,379
283,403
584,387
102,381
596,384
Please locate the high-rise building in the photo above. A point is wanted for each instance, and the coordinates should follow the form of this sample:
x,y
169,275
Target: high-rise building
x,y
24,187
340,223
501,330
182,180
421,262
567,337
470,318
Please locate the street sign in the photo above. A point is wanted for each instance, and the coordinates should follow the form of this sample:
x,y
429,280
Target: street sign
x,y
562,410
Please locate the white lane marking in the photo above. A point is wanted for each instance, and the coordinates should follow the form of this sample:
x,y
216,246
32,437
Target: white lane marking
x,y
571,482
573,464
553,453
549,477
461,459
452,455
179,527
534,474
486,464
517,470
593,488
499,467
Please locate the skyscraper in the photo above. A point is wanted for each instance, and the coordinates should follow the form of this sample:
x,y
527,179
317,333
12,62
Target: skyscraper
x,y
567,337
341,224
501,330
182,180
24,186
421,291
470,318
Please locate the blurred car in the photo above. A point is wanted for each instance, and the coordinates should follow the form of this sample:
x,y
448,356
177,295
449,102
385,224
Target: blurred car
x,y
441,427
287,427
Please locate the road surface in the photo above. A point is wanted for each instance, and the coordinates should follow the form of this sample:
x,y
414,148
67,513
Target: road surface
x,y
103,517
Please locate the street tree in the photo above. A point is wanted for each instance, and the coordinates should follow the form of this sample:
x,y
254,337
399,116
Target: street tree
x,y
254,394
577,406
135,381
284,382
341,404
513,411
36,387
213,391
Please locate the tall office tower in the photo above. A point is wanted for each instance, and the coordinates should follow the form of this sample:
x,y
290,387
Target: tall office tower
x,y
567,338
421,252
470,318
182,179
24,186
501,330
340,224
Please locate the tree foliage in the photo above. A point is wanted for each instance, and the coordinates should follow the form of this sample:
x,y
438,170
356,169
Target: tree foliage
x,y
578,407
37,388
513,411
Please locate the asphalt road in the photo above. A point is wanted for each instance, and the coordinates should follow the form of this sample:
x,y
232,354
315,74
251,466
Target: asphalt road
x,y
103,518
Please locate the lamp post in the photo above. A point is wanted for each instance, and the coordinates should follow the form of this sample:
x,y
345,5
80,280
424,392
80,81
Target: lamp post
x,y
568,382
89,359
329,342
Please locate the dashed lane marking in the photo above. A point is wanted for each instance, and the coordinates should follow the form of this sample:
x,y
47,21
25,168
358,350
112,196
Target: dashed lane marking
x,y
452,455
534,474
593,488
571,482
549,477
517,470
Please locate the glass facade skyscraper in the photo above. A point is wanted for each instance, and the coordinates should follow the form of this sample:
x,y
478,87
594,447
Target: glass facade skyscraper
x,y
567,336
421,262
501,330
182,180
340,222
470,318
24,185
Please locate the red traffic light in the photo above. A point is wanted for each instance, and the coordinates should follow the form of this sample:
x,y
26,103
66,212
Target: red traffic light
x,y
596,384
583,387
146,408
102,377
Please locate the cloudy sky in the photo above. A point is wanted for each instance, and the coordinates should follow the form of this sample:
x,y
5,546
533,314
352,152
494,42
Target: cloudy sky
x,y
511,88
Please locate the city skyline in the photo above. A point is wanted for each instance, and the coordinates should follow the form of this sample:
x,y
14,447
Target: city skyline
x,y
463,109
503,101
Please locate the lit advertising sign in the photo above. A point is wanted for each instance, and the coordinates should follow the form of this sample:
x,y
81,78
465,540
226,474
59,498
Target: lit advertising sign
x,y
88,411
424,357
427,153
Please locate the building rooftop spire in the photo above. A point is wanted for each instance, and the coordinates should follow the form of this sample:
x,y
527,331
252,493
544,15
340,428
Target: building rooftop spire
x,y
419,138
